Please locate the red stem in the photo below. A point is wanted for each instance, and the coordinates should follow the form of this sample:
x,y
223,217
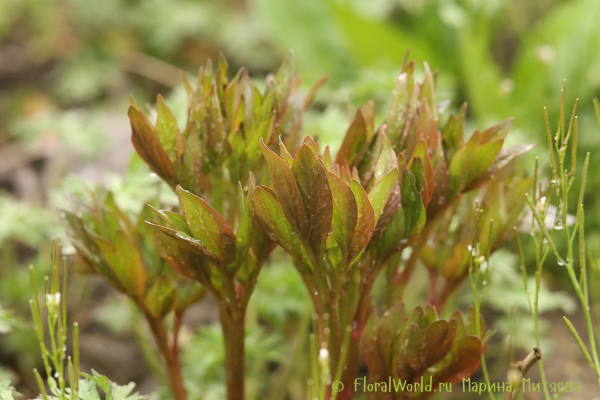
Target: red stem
x,y
176,329
432,287
233,326
173,368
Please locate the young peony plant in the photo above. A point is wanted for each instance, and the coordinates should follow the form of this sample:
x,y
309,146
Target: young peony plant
x,y
415,175
121,251
213,157
200,245
343,220
420,351
219,143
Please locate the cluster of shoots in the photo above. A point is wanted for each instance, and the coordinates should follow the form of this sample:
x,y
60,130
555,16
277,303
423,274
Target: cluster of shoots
x,y
247,181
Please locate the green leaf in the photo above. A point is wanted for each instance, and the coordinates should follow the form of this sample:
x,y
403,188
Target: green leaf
x,y
283,84
82,240
455,266
387,159
245,229
380,193
272,219
497,131
126,262
189,294
185,256
311,178
190,173
391,239
167,131
215,126
396,117
389,210
365,222
412,206
264,131
453,133
428,130
421,167
476,163
428,90
208,226
162,297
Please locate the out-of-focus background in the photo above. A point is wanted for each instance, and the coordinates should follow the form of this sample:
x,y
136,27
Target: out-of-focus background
x,y
68,66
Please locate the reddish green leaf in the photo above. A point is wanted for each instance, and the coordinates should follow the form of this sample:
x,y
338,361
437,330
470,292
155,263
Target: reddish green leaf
x,y
413,349
272,219
370,345
311,178
345,214
427,129
126,262
149,148
178,254
287,192
314,147
327,157
285,154
365,222
82,240
354,142
392,322
495,132
465,360
208,226
438,339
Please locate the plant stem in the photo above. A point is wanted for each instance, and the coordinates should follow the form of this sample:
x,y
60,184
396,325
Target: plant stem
x,y
173,368
359,321
234,334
